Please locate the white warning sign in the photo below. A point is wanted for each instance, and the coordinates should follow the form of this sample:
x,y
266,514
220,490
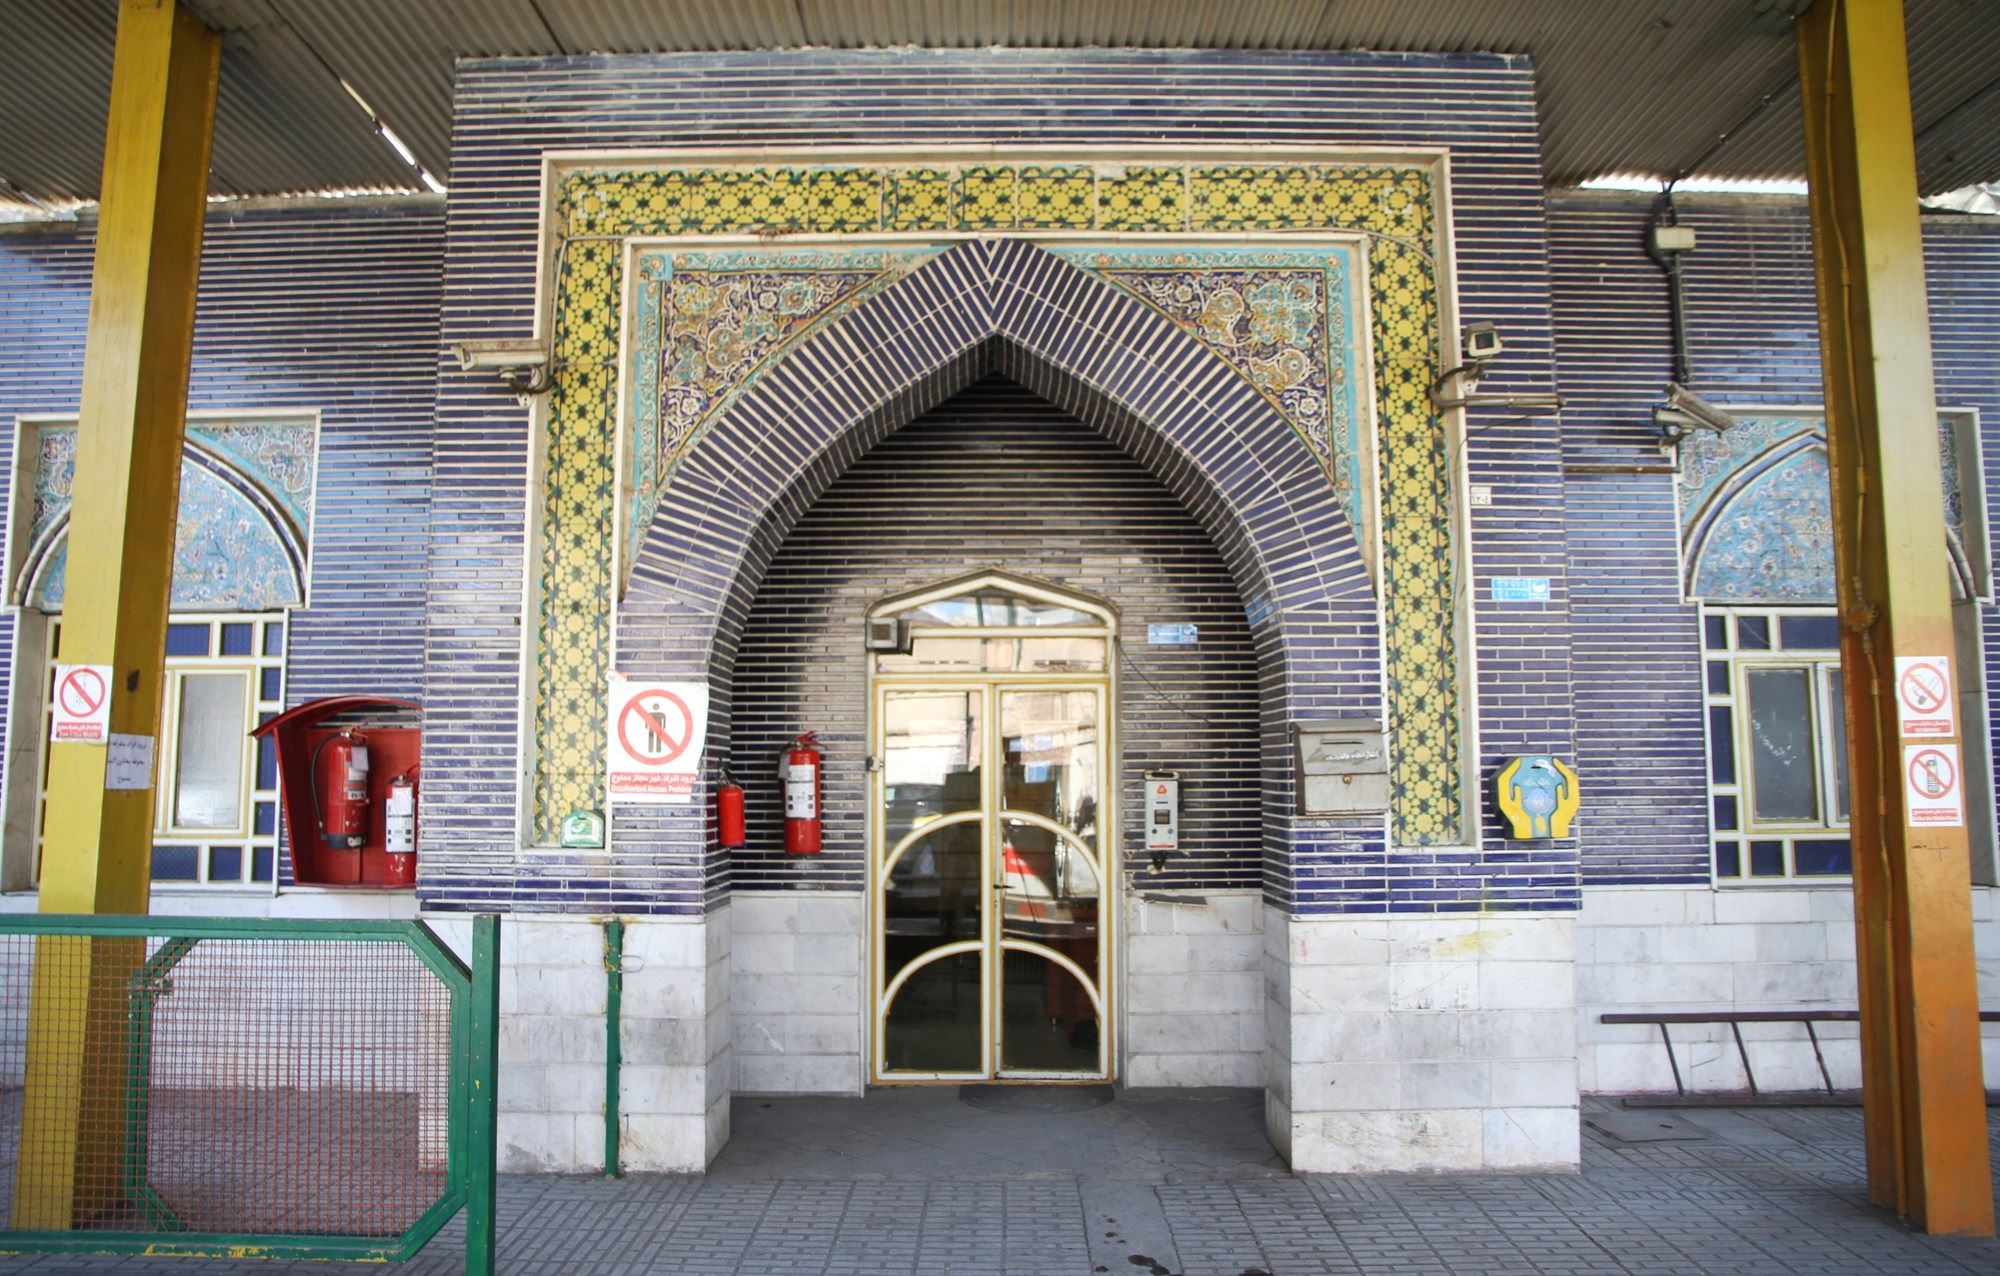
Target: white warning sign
x,y
81,711
1931,788
1924,698
128,762
654,734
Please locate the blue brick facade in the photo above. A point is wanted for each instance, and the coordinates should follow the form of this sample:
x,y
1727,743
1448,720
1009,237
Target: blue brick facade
x,y
328,311
997,476
1010,307
423,532
510,112
1754,341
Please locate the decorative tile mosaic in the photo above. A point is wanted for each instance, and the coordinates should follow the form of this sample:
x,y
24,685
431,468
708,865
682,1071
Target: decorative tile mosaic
x,y
55,476
1756,510
1284,318
706,323
1948,476
279,458
1770,537
243,527
1392,205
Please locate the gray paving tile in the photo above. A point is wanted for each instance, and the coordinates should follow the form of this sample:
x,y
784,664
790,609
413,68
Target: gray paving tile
x,y
915,1183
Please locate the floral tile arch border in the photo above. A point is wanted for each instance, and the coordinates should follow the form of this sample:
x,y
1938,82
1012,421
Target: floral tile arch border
x,y
595,210
243,526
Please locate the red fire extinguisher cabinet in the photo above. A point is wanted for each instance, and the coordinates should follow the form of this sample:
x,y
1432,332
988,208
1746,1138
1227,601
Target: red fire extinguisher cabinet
x,y
395,750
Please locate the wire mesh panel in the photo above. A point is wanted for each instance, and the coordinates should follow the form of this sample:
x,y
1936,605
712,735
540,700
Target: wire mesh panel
x,y
230,1079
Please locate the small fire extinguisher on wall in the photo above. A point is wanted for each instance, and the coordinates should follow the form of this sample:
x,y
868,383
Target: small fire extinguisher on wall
x,y
799,769
729,814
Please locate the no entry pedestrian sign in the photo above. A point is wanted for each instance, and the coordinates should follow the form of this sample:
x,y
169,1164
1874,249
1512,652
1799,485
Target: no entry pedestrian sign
x,y
654,732
81,712
1923,696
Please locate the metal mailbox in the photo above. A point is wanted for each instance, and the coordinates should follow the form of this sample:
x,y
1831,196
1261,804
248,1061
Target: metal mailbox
x,y
1342,767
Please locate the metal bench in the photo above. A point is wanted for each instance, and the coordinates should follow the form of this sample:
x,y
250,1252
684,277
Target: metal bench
x,y
1736,1019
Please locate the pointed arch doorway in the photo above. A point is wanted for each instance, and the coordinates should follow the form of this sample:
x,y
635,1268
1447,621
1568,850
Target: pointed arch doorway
x,y
991,907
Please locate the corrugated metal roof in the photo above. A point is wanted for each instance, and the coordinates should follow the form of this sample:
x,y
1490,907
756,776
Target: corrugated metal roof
x,y
1624,86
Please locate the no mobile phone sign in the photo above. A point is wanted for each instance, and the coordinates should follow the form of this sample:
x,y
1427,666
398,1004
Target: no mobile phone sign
x,y
81,712
1931,787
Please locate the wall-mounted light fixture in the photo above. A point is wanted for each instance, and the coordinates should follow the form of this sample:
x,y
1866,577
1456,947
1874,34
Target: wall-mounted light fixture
x,y
521,366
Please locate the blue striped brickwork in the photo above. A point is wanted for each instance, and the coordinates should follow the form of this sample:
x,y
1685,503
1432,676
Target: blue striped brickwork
x,y
1962,271
508,111
998,475
330,309
1148,385
1754,339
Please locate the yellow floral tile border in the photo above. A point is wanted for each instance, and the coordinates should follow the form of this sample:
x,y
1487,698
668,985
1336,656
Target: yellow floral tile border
x,y
1391,204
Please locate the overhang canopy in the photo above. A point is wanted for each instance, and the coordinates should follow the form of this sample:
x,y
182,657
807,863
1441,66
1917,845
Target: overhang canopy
x,y
1624,86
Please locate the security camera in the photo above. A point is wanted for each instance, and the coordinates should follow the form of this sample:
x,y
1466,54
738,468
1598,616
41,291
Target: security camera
x,y
1481,342
1673,426
1696,410
500,356
521,366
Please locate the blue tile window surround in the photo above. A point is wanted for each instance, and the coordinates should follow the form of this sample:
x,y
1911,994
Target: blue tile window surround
x,y
329,311
1635,637
1765,672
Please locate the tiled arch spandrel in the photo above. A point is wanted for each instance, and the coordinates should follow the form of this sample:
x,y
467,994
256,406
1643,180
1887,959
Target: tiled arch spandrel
x,y
1007,306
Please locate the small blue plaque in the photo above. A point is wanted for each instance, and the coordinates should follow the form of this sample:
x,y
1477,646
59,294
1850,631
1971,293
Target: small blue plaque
x,y
1520,589
1182,635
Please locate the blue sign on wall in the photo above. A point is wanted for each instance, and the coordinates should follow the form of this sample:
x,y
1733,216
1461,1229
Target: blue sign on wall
x,y
1520,589
1182,635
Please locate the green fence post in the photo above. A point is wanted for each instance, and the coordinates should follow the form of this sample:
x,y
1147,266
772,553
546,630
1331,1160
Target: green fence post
x,y
614,1050
483,1127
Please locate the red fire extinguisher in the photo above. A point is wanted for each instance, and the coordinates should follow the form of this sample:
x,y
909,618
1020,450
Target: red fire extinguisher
x,y
799,769
729,814
399,829
340,790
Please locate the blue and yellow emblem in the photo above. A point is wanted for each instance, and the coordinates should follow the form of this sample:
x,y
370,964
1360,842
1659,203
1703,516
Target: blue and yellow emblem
x,y
1538,795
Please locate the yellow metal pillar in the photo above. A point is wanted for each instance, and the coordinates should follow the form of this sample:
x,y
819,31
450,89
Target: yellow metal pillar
x,y
1924,1099
97,843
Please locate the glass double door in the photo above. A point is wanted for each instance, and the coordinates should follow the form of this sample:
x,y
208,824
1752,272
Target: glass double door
x,y
990,896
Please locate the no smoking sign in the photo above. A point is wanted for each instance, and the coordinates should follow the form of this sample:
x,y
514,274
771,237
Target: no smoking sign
x,y
81,710
1923,697
653,740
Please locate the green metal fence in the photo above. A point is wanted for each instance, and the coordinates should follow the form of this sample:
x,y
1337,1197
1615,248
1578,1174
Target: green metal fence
x,y
246,1088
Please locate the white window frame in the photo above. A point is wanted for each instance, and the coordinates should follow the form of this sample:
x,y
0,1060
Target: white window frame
x,y
166,784
257,708
1821,664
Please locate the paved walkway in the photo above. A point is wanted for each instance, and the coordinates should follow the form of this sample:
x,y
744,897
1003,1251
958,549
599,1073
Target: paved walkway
x,y
932,1182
